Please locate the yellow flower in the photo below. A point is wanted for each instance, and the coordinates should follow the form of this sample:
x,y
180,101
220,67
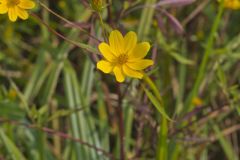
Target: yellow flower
x,y
197,101
123,56
232,4
16,8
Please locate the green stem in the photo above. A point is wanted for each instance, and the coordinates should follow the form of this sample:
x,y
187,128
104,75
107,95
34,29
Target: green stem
x,y
162,145
105,35
204,62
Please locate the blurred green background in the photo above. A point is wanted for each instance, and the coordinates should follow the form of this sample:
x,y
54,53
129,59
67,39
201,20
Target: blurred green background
x,y
54,104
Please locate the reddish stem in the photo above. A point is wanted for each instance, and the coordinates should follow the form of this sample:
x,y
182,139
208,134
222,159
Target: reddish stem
x,y
120,124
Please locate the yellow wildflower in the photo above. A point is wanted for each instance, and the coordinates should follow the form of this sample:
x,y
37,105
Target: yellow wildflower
x,y
197,101
232,4
16,8
124,56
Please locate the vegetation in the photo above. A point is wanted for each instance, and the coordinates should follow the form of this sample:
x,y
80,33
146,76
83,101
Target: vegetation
x,y
56,103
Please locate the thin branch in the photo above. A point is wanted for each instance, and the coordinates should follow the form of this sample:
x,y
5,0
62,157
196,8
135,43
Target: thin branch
x,y
67,21
59,34
195,12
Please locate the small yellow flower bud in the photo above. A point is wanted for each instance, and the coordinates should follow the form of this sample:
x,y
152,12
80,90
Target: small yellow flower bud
x,y
97,5
12,94
232,4
197,101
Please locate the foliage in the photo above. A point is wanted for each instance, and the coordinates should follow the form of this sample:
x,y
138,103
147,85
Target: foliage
x,y
56,104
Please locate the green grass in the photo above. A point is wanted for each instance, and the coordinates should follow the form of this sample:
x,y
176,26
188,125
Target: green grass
x,y
55,104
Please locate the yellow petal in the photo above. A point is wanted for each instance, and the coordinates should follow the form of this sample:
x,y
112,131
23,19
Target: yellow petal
x,y
3,9
22,13
12,14
140,64
26,4
140,51
106,52
105,66
120,77
232,4
116,42
130,41
132,73
237,5
3,1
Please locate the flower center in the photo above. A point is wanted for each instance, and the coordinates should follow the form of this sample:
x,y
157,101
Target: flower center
x,y
12,3
122,59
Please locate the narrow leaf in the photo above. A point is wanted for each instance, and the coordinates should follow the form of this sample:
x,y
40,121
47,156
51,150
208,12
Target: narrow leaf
x,y
11,147
156,103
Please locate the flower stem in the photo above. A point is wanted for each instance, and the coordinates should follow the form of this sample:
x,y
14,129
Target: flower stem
x,y
120,123
205,59
105,35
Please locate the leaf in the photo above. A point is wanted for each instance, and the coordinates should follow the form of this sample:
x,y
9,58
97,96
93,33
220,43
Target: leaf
x,y
61,113
87,47
20,95
156,104
11,147
226,146
174,3
181,59
175,24
153,87
234,55
11,110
